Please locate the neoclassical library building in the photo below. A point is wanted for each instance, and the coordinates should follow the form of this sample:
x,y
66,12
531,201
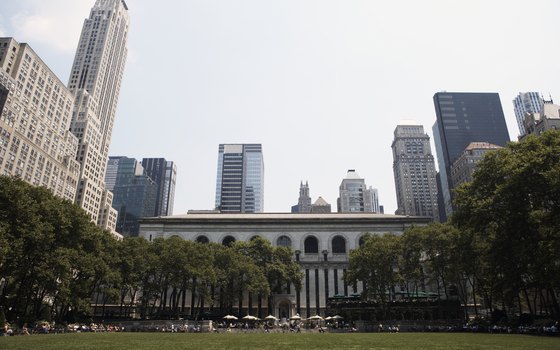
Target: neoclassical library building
x,y
321,245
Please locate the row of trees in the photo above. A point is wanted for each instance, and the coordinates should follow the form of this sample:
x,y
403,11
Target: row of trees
x,y
501,249
53,260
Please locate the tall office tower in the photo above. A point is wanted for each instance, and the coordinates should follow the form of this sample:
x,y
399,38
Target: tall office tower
x,y
240,180
414,170
35,114
355,196
526,102
462,118
304,201
463,168
95,80
134,194
164,174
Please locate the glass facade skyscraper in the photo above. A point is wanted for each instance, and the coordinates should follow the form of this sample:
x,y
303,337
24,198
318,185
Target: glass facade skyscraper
x,y
134,193
164,174
354,196
462,118
240,178
526,102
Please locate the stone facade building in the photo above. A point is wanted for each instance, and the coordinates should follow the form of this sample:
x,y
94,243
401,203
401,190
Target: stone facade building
x,y
321,245
35,116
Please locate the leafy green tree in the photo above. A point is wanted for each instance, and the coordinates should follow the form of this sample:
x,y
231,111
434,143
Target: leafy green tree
x,y
48,247
376,264
276,263
511,212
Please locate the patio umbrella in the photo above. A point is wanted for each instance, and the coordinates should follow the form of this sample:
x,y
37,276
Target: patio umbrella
x,y
271,318
315,318
328,318
337,317
250,318
296,317
229,317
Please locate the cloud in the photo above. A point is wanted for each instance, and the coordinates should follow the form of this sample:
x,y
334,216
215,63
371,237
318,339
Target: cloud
x,y
54,23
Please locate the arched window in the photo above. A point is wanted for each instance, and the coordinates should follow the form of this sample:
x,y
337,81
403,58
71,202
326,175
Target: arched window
x,y
361,241
255,237
228,241
311,245
202,239
284,241
339,245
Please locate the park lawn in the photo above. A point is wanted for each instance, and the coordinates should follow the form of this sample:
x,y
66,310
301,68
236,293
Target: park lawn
x,y
278,341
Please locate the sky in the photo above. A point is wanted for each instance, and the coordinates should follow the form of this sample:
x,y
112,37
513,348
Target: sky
x,y
321,84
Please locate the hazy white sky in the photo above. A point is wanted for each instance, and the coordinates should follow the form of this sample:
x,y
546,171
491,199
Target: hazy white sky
x,y
321,84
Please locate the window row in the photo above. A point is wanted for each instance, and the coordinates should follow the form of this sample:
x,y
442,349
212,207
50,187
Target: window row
x,y
311,243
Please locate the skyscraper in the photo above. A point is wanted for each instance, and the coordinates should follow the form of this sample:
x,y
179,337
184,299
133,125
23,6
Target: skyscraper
x,y
240,178
462,118
304,201
526,102
354,196
134,193
164,174
95,81
35,113
414,171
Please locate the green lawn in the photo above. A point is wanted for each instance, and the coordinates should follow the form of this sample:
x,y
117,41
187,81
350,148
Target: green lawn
x,y
278,341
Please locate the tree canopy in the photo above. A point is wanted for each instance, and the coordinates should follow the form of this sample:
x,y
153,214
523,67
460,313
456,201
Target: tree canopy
x,y
55,264
501,248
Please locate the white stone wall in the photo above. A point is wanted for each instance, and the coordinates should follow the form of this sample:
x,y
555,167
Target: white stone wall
x,y
298,227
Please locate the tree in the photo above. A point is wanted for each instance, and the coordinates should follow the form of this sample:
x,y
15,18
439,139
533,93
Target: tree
x,y
276,263
49,249
376,264
511,212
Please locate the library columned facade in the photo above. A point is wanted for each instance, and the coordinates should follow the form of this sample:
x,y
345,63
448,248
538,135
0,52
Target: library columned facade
x,y
321,245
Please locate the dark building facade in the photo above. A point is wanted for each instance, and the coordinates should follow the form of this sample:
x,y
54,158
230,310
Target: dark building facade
x,y
134,194
164,174
462,118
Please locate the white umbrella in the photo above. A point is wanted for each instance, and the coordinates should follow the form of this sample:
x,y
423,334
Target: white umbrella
x,y
270,317
296,317
337,317
250,318
328,318
229,317
315,318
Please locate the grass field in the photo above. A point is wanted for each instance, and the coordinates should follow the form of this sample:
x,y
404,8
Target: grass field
x,y
289,341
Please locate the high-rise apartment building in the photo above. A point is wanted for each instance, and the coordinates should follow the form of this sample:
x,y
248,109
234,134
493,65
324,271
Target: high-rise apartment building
x,y
355,196
463,168
548,118
164,174
35,115
95,81
462,118
304,201
526,102
240,178
414,171
134,193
